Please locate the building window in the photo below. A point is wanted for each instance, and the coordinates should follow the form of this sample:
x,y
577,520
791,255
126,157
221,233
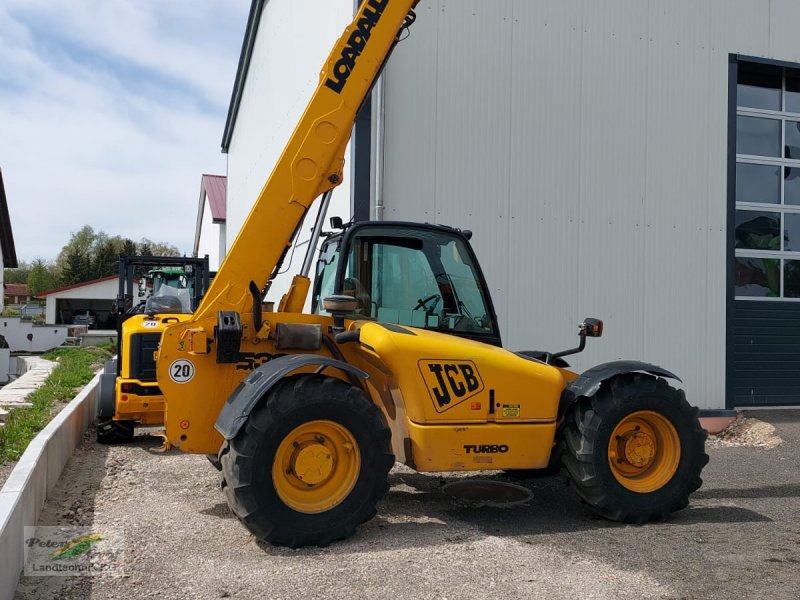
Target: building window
x,y
767,222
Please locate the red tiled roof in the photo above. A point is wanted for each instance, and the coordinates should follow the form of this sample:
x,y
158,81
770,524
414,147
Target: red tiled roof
x,y
76,285
216,190
15,289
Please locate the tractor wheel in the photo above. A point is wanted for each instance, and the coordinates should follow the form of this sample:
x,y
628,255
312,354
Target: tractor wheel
x,y
635,450
115,432
310,464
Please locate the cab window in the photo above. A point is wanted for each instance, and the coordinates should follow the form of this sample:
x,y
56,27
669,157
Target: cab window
x,y
327,264
419,278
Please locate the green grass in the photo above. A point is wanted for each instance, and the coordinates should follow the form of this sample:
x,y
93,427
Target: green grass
x,y
76,367
108,346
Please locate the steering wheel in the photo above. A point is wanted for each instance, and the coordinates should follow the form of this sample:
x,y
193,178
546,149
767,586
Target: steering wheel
x,y
423,303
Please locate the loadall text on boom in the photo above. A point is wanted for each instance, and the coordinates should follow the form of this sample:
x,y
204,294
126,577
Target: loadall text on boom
x,y
355,45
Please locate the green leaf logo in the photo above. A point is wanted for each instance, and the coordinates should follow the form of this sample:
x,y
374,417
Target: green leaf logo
x,y
76,547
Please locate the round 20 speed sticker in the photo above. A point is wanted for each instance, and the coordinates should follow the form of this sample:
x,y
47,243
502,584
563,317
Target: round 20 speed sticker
x,y
181,371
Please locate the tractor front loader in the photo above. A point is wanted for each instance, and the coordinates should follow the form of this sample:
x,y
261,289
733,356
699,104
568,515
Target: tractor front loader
x,y
170,289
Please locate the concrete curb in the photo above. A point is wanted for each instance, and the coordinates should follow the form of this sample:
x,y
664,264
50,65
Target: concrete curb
x,y
33,478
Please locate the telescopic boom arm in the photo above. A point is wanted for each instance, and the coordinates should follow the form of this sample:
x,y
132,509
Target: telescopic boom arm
x,y
312,162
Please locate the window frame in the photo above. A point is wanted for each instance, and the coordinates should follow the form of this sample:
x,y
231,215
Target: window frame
x,y
782,208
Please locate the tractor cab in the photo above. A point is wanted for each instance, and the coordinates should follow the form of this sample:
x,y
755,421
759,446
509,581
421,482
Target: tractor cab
x,y
423,276
175,278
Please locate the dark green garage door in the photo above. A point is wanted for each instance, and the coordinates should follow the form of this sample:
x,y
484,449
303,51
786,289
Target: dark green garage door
x,y
766,356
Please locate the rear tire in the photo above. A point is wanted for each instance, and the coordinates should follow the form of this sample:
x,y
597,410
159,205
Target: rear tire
x,y
115,432
634,451
310,464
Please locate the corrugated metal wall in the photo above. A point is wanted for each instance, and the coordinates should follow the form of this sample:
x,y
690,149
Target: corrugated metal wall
x,y
585,143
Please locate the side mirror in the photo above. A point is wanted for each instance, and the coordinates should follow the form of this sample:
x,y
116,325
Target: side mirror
x,y
591,328
339,307
340,304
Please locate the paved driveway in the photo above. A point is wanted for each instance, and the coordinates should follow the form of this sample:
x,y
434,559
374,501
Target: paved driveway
x,y
740,538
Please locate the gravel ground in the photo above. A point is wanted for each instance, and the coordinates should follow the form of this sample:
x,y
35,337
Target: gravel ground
x,y
739,538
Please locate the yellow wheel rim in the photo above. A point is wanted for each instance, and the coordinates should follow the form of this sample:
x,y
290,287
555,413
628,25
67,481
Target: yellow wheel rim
x,y
644,451
316,466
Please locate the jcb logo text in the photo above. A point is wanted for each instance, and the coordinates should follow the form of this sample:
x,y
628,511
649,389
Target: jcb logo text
x,y
450,382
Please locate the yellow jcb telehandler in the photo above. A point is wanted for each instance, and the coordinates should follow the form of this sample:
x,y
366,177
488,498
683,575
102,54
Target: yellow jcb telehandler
x,y
399,359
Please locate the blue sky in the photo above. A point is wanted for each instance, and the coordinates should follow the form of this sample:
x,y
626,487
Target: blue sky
x,y
110,110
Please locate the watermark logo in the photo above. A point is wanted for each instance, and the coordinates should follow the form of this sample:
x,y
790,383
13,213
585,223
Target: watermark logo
x,y
71,550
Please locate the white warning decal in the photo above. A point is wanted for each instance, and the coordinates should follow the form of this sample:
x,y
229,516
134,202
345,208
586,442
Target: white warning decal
x,y
181,371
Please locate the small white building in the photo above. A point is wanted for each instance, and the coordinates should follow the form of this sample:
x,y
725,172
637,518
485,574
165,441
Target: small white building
x,y
633,161
210,230
97,296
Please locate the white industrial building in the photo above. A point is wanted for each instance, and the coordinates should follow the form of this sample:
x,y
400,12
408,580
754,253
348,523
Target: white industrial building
x,y
602,153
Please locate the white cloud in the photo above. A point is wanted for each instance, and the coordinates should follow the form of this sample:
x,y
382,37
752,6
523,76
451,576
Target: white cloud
x,y
109,113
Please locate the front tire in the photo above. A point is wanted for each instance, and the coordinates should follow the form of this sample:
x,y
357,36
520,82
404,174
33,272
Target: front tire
x,y
310,464
634,451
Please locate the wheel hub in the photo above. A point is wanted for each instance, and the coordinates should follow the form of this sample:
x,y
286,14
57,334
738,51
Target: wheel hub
x,y
644,451
316,466
639,449
312,463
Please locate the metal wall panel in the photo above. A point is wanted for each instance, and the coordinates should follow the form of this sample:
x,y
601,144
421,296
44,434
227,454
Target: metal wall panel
x,y
677,200
545,191
783,38
585,143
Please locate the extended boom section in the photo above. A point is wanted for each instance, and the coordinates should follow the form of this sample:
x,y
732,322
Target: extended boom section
x,y
313,159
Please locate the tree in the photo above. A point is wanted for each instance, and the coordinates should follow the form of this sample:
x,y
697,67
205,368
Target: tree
x,y
159,248
40,278
128,247
91,254
74,260
144,248
106,257
76,266
18,275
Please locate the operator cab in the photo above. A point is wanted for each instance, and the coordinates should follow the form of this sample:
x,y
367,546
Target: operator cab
x,y
423,276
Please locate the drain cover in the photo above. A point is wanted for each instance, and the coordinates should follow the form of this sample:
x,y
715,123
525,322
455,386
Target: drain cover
x,y
487,492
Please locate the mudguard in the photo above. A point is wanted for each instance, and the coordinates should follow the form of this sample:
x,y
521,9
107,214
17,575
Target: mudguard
x,y
247,394
590,380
